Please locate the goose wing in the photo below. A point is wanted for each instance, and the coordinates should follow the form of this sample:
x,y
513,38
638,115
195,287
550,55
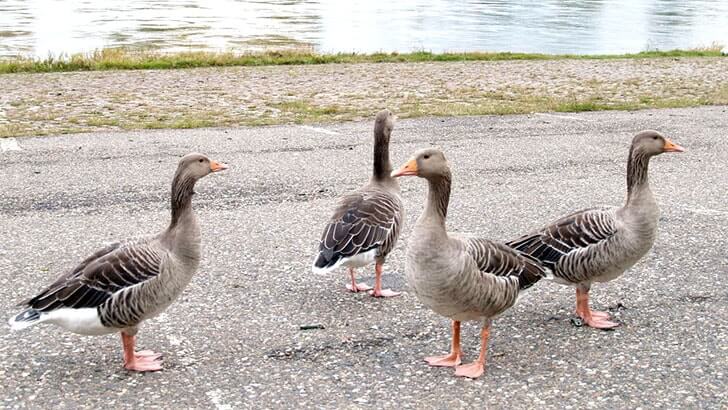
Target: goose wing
x,y
109,270
363,221
574,232
500,260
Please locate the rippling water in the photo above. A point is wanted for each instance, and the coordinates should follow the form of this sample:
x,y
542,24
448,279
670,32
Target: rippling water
x,y
40,27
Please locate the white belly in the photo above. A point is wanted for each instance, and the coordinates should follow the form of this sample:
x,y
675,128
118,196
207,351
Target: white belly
x,y
84,321
360,260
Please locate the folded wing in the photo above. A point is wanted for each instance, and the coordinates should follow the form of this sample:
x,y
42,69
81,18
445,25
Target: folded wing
x,y
363,221
575,232
109,270
500,260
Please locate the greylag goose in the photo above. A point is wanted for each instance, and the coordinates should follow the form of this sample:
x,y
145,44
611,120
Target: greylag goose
x,y
599,244
127,282
460,278
366,223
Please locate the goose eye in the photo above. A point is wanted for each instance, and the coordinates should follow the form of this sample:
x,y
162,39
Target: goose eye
x,y
201,160
655,137
427,156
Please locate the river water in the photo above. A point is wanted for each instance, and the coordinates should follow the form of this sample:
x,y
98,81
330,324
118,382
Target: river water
x,y
40,27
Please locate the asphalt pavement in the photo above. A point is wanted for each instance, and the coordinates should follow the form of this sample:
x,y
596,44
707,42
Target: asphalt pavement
x,y
256,328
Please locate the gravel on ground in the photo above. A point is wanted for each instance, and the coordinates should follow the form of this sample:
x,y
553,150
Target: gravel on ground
x,y
235,338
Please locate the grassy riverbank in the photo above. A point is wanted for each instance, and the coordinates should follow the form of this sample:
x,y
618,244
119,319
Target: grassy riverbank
x,y
105,100
125,59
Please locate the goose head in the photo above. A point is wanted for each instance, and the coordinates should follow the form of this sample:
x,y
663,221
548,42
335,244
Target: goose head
x,y
197,165
429,163
383,124
652,143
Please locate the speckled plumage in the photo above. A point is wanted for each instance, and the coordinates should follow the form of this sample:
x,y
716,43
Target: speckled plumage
x,y
365,220
366,223
463,278
127,282
600,244
460,278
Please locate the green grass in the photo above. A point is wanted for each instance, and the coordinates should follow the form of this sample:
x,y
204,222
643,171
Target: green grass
x,y
305,112
641,104
300,111
44,113
13,130
127,59
102,122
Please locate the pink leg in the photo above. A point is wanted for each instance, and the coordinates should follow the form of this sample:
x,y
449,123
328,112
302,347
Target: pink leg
x,y
356,287
378,292
452,359
144,361
476,368
593,318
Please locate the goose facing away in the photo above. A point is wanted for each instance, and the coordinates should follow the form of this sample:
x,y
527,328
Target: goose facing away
x,y
121,285
599,244
460,278
366,223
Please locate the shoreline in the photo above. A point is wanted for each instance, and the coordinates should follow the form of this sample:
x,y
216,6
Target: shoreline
x,y
86,101
149,59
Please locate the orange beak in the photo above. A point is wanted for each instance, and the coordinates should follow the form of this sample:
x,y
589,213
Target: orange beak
x,y
408,169
217,166
672,147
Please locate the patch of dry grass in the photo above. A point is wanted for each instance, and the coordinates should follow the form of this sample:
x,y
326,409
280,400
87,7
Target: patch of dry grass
x,y
133,59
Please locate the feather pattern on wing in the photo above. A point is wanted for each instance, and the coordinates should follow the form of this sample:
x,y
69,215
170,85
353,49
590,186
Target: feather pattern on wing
x,y
565,244
500,260
102,276
364,220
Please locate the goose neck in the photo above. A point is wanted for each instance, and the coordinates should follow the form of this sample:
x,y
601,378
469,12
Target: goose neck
x,y
638,184
183,188
438,199
382,164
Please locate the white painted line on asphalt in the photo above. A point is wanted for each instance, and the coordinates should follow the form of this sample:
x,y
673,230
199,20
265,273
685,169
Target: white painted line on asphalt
x,y
321,130
705,211
216,399
565,117
9,144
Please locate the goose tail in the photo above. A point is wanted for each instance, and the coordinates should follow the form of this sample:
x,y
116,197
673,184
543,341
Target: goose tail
x,y
322,264
26,318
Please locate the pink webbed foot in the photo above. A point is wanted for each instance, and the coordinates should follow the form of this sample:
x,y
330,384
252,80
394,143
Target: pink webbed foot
x,y
142,361
383,293
453,358
148,354
471,370
448,360
596,319
592,318
378,292
599,322
600,315
477,368
145,361
358,287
